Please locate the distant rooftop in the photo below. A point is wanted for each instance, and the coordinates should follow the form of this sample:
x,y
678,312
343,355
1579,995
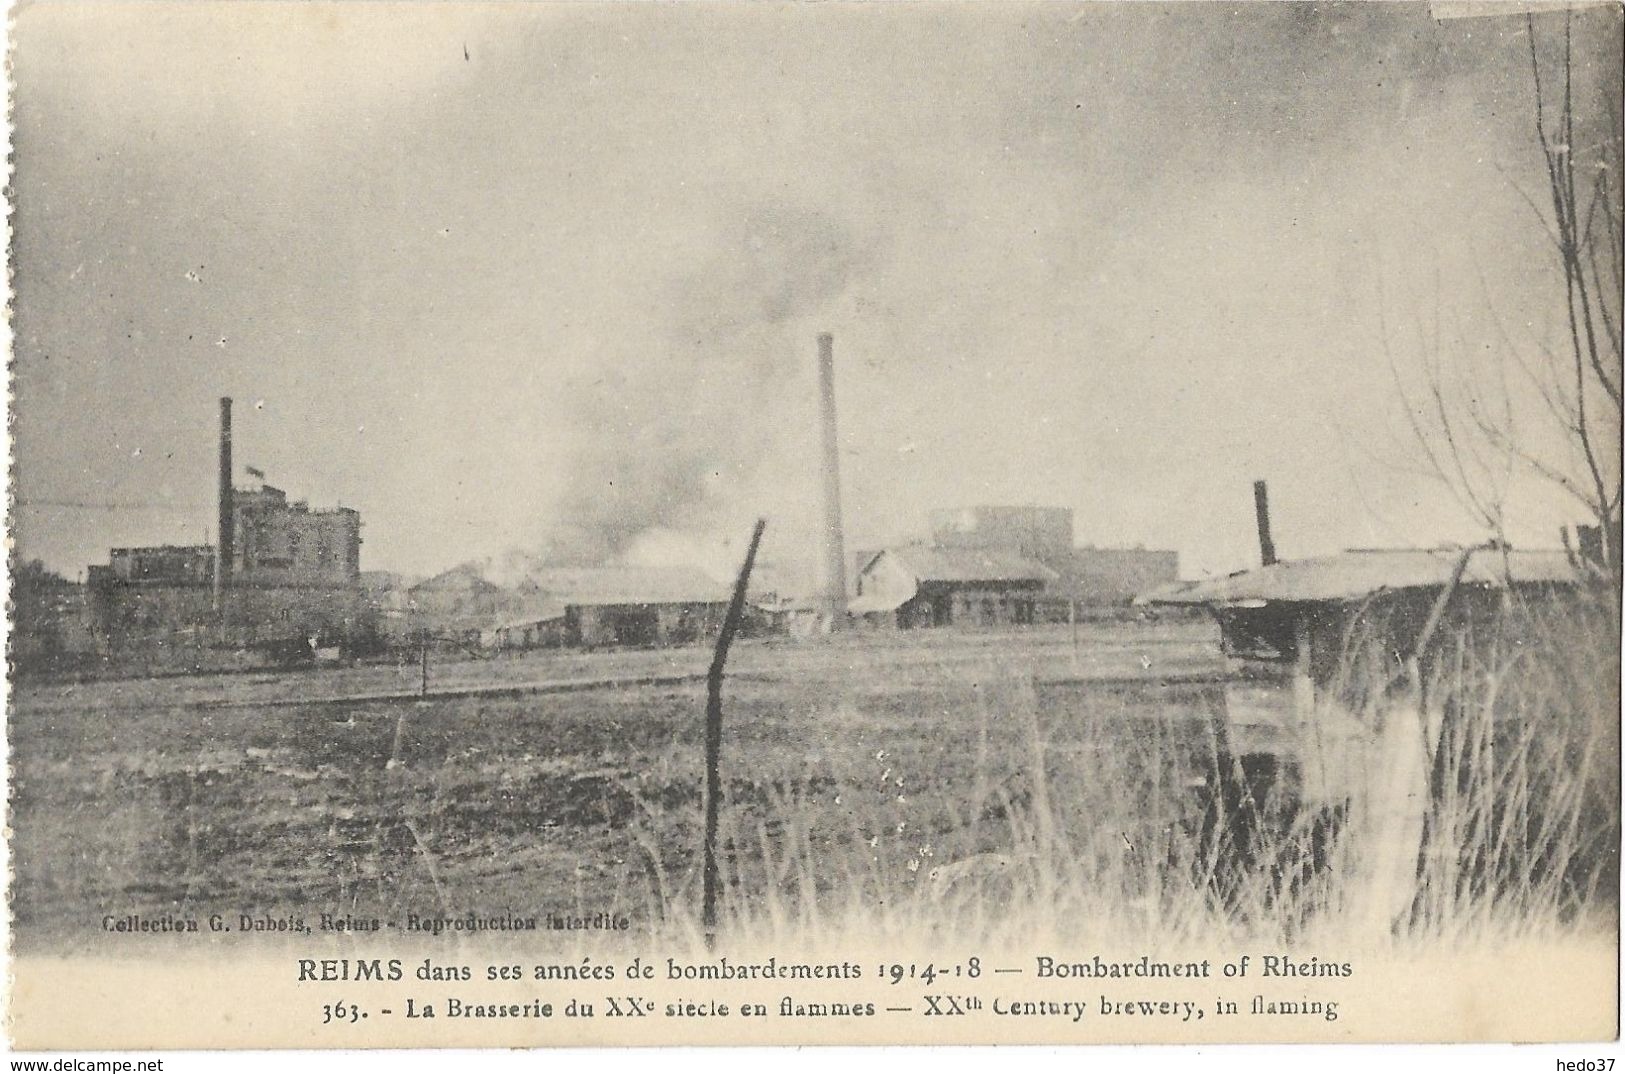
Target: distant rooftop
x,y
1361,573
585,585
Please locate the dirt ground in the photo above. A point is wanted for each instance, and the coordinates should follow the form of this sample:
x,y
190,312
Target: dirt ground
x,y
186,797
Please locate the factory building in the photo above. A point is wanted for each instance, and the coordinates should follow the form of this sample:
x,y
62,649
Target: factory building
x,y
152,597
491,606
635,605
1002,565
139,610
281,577
925,586
295,575
280,543
295,572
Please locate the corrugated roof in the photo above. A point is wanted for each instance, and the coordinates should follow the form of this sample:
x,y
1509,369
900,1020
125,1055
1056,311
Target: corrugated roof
x,y
928,563
628,585
1361,573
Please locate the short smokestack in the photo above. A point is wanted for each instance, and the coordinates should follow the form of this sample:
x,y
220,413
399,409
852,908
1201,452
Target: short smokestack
x,y
225,525
1261,505
834,596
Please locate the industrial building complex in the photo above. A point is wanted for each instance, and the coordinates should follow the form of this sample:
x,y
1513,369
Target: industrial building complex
x,y
285,581
282,576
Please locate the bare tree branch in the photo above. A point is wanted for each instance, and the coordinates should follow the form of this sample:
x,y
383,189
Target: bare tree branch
x,y
1469,427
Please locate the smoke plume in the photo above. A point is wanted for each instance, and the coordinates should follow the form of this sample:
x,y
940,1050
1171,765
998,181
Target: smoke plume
x,y
670,440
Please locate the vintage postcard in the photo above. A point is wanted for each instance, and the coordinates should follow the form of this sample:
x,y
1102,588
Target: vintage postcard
x,y
544,524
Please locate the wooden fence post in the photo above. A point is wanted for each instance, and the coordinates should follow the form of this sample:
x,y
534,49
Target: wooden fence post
x,y
713,734
423,656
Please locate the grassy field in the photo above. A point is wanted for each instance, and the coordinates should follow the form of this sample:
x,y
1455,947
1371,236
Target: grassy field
x,y
999,786
151,796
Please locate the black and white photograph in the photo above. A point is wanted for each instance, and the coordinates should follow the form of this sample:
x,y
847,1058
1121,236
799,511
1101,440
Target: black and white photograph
x,y
786,523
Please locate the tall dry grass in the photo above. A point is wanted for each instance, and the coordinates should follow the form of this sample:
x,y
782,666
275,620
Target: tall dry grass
x,y
1111,816
1523,835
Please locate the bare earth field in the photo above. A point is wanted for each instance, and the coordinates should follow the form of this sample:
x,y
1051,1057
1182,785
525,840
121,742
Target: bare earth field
x,y
858,771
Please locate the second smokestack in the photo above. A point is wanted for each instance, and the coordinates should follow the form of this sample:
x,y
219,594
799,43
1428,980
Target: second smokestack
x,y
834,580
1261,508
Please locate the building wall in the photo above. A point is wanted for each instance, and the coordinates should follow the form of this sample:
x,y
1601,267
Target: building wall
x,y
134,616
282,543
137,616
974,604
544,634
268,613
277,544
643,624
165,564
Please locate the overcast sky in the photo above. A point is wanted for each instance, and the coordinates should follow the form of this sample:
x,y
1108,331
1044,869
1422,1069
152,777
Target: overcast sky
x,y
525,276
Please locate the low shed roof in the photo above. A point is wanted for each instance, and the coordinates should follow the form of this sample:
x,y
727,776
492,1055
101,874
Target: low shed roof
x,y
1362,573
546,611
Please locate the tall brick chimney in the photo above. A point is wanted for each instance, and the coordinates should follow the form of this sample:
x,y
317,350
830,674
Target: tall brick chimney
x,y
834,567
225,525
